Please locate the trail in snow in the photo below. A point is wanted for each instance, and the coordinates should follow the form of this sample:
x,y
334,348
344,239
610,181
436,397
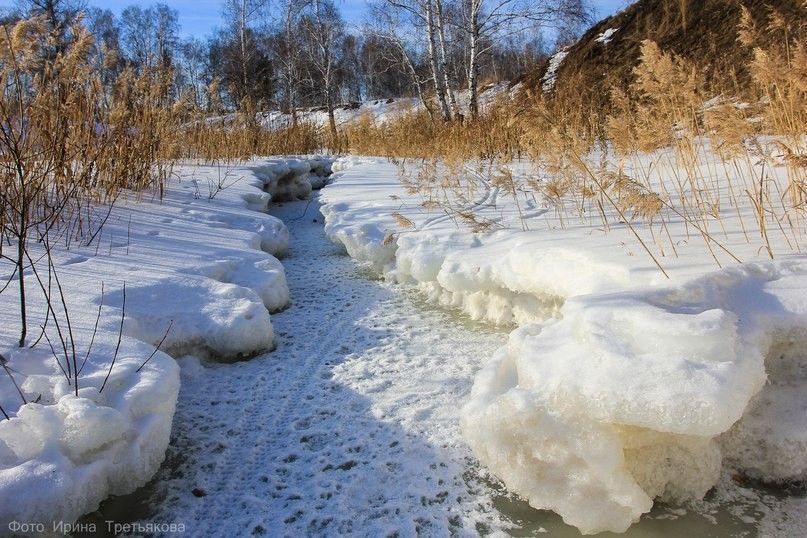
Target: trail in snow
x,y
352,425
349,425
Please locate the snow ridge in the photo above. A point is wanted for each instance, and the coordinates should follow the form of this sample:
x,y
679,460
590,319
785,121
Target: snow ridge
x,y
61,456
617,385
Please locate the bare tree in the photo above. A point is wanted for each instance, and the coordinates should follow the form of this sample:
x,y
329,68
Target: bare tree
x,y
324,27
241,15
150,35
389,27
486,22
193,67
440,27
287,50
423,14
107,57
60,15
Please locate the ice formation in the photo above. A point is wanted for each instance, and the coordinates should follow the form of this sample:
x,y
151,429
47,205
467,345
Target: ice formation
x,y
200,277
60,459
619,386
645,393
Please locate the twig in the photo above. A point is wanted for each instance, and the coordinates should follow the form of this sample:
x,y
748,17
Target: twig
x,y
3,361
53,352
94,330
156,349
120,337
311,199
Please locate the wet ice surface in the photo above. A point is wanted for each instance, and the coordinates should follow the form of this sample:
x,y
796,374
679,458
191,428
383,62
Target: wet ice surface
x,y
352,426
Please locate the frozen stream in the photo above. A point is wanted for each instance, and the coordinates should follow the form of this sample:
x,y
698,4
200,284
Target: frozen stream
x,y
351,426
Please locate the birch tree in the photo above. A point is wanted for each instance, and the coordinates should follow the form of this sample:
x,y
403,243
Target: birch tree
x,y
389,27
323,26
241,14
487,22
425,15
288,51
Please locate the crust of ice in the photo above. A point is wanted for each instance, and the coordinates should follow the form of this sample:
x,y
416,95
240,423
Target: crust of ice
x,y
672,380
619,387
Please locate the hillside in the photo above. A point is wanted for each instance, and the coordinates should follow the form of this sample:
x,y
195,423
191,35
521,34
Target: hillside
x,y
704,31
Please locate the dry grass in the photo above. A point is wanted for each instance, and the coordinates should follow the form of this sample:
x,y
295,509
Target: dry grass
x,y
415,135
697,157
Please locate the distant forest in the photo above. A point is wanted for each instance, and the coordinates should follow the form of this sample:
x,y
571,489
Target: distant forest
x,y
288,54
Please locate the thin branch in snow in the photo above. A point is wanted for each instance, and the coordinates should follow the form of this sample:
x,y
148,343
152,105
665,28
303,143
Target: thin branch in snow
x,y
120,337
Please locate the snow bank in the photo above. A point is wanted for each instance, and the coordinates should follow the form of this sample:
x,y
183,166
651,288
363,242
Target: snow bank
x,y
60,459
643,393
619,386
500,277
200,276
207,318
293,179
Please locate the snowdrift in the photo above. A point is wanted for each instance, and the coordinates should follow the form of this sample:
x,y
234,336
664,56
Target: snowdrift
x,y
643,394
200,278
618,386
293,179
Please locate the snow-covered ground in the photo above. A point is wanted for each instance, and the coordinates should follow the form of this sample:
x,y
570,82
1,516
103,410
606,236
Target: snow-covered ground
x,y
197,272
349,426
551,74
378,111
352,425
619,386
380,412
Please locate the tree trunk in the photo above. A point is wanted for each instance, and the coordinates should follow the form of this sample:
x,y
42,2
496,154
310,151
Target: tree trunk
x,y
416,80
243,38
437,77
452,100
473,64
332,118
22,237
291,82
21,281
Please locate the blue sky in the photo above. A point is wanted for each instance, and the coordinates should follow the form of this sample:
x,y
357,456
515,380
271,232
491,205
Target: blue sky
x,y
200,17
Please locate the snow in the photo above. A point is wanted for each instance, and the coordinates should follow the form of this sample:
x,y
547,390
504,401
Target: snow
x,y
618,397
606,36
618,386
549,78
379,111
659,380
200,276
349,427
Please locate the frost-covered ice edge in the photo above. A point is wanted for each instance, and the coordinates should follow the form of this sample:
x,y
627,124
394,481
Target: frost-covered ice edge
x,y
201,261
618,387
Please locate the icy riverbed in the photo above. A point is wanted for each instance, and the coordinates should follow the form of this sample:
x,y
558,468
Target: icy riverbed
x,y
352,425
619,388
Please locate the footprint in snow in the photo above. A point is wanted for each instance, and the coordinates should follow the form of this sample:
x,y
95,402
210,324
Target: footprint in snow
x,y
75,260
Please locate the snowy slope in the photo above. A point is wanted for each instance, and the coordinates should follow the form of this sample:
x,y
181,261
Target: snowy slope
x,y
200,276
379,111
620,385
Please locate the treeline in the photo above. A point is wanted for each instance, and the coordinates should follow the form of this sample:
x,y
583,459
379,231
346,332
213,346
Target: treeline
x,y
287,54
